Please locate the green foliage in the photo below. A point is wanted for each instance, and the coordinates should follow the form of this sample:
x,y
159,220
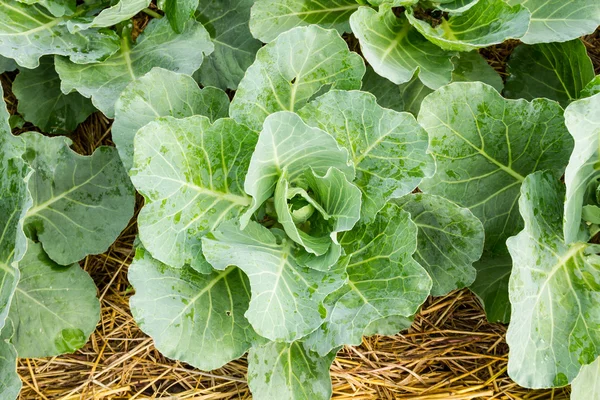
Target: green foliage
x,y
557,71
292,201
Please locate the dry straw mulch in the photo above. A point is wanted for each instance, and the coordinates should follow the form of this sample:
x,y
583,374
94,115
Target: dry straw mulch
x,y
451,352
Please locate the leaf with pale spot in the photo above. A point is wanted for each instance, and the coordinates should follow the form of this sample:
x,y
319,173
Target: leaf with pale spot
x,y
157,46
161,93
28,32
287,299
288,72
554,291
55,308
397,51
387,148
191,173
80,203
205,312
483,146
288,371
383,280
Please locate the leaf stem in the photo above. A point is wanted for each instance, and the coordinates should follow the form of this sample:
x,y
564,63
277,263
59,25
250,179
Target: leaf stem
x,y
152,13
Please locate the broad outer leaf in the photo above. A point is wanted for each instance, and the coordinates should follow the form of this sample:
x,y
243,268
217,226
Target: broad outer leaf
x,y
287,144
287,299
270,18
157,46
14,203
388,148
586,386
554,291
397,51
235,48
559,20
403,97
491,283
291,70
55,308
7,64
10,382
42,103
450,240
192,317
58,8
191,173
583,121
471,66
486,23
80,203
383,280
456,6
388,326
161,93
29,32
592,88
408,96
556,71
392,3
110,16
288,371
483,145
178,12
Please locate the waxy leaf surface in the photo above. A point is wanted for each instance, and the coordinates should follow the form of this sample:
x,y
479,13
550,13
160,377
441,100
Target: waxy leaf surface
x,y
191,174
387,148
450,240
396,50
161,93
487,23
55,308
559,20
554,291
14,203
383,280
291,70
157,46
287,144
288,371
235,48
87,200
205,312
287,299
30,32
272,17
583,121
483,145
42,103
556,71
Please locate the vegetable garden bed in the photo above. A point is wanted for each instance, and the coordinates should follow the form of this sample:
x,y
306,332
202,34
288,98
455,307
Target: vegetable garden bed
x,y
291,215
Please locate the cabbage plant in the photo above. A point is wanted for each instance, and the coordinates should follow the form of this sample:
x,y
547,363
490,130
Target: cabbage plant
x,y
311,172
